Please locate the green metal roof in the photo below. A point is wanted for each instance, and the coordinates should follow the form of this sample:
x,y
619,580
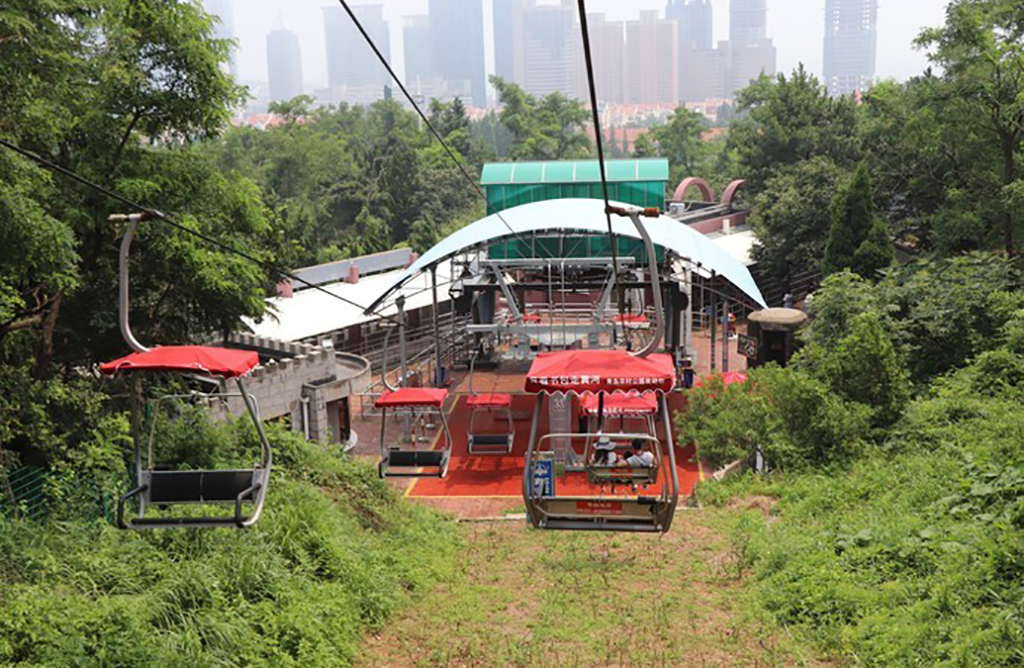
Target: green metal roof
x,y
573,171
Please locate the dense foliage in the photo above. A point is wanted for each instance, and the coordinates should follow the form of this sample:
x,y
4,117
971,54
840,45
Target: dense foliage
x,y
944,151
336,552
898,536
133,95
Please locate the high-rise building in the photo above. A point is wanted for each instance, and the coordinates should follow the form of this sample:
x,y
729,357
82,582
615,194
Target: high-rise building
x,y
851,38
608,52
549,45
351,62
224,27
694,20
508,39
652,59
419,62
751,51
704,73
748,22
284,62
746,63
457,38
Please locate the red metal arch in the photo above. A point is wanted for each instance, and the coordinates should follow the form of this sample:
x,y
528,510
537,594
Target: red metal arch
x,y
730,191
699,183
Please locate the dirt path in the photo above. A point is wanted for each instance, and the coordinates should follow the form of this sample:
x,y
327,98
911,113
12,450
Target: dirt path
x,y
530,598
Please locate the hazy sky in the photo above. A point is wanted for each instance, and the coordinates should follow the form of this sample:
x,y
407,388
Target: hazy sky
x,y
796,26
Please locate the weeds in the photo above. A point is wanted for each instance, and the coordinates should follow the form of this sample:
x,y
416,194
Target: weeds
x,y
300,588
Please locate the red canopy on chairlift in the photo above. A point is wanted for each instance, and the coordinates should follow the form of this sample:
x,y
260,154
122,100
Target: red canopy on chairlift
x,y
492,400
728,378
412,396
223,362
621,404
600,371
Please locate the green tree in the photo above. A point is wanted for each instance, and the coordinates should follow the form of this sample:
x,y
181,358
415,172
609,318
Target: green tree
x,y
118,91
856,239
788,120
644,147
549,128
863,366
293,109
680,141
981,51
451,122
791,216
793,418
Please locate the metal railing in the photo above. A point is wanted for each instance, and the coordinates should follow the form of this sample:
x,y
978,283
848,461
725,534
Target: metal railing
x,y
421,364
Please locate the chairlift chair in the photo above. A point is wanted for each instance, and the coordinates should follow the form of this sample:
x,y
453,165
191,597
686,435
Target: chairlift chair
x,y
411,462
492,403
601,372
161,487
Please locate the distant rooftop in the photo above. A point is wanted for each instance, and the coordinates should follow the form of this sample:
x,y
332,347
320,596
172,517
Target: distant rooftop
x,y
366,265
573,171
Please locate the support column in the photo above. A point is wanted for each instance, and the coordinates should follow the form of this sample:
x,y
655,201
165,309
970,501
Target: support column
x,y
714,321
437,328
725,334
403,362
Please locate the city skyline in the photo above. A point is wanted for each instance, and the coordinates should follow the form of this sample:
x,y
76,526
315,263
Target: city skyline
x,y
896,57
851,36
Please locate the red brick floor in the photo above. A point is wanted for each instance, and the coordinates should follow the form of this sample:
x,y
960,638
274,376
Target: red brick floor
x,y
488,485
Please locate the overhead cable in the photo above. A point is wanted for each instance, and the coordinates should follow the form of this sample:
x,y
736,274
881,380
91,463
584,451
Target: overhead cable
x,y
426,120
154,214
600,147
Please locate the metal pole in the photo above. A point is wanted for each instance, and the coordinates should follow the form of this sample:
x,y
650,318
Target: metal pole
x,y
725,334
714,323
123,283
451,312
403,361
528,491
437,328
402,358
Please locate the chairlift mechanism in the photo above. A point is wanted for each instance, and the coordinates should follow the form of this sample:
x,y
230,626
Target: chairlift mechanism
x,y
160,487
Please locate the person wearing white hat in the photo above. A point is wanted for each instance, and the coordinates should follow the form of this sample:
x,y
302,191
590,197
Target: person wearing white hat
x,y
604,452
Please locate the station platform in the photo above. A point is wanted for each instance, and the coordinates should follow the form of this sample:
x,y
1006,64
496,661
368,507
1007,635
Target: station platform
x,y
501,475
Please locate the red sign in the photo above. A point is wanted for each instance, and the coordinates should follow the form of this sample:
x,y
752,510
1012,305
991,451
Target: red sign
x,y
599,507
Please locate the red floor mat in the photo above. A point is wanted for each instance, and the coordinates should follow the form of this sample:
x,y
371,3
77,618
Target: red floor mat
x,y
502,475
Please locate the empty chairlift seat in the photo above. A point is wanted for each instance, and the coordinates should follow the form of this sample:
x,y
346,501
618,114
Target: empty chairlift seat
x,y
410,462
494,442
158,487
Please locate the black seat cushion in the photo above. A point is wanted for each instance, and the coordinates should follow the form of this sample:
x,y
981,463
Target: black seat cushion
x,y
225,485
416,457
198,486
175,486
490,439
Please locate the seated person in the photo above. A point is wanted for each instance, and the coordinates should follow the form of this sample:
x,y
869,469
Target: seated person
x,y
638,457
604,452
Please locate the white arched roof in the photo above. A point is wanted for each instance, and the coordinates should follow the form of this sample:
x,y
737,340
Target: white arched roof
x,y
584,216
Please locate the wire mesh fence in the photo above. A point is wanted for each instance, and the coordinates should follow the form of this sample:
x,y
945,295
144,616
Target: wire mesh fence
x,y
35,493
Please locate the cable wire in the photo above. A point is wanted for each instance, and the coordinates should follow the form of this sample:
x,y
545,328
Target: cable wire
x,y
600,147
158,215
430,126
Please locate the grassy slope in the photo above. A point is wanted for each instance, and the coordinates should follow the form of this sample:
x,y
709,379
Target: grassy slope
x,y
915,555
335,554
525,597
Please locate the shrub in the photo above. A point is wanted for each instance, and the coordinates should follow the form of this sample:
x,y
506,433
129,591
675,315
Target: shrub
x,y
795,420
334,555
